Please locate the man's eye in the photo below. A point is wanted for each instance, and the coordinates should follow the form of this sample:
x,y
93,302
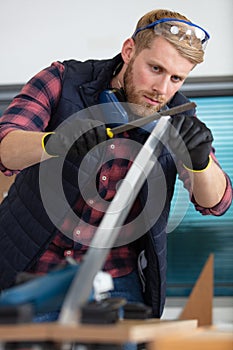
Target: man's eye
x,y
175,78
155,68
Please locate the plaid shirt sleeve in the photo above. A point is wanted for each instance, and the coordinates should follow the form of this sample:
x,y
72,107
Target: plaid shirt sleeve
x,y
32,107
218,209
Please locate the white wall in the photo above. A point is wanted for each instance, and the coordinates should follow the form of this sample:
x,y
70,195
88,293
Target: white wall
x,y
35,33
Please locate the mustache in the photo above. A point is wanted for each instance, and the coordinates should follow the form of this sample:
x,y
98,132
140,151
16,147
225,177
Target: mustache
x,y
155,97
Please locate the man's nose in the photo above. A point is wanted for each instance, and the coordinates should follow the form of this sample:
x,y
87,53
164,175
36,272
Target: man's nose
x,y
161,85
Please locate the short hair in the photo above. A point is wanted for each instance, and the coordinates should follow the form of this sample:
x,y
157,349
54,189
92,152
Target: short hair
x,y
144,38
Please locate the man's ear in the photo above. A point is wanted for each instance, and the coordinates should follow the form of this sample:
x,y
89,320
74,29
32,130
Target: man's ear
x,y
128,50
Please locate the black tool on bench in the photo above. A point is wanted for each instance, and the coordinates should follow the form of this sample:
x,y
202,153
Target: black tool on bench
x,y
108,310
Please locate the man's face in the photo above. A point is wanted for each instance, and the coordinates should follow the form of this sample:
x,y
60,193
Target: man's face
x,y
153,76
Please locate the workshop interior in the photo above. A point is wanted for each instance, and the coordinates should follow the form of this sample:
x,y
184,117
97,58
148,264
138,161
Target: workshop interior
x,y
199,249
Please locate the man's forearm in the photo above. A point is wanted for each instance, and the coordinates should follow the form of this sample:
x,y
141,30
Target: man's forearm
x,y
209,185
20,149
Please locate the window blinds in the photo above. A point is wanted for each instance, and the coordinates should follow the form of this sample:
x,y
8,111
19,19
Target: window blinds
x,y
192,237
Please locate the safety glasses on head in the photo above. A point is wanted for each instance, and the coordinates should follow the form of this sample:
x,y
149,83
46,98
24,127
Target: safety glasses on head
x,y
184,30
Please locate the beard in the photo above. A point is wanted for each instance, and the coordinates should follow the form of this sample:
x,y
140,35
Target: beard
x,y
134,97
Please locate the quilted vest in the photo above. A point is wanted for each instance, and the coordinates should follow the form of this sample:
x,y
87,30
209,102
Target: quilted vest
x,y
25,228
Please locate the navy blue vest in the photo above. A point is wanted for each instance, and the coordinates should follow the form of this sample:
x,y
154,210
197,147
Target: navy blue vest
x,y
25,228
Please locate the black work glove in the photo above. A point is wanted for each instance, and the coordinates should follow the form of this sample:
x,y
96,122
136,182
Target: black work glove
x,y
190,139
76,136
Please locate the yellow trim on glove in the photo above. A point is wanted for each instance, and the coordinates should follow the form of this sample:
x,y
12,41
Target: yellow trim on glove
x,y
199,171
43,145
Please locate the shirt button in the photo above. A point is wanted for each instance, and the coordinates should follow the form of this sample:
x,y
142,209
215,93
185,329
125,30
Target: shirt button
x,y
77,232
68,253
104,178
91,201
112,146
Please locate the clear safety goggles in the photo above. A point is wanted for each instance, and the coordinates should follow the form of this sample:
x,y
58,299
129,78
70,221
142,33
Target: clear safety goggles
x,y
184,30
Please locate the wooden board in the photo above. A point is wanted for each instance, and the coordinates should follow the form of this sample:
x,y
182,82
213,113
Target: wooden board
x,y
200,302
199,339
123,331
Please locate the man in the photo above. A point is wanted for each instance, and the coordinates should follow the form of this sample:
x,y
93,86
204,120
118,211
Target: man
x,y
148,73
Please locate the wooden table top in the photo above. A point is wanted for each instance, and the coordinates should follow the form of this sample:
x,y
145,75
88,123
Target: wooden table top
x,y
123,331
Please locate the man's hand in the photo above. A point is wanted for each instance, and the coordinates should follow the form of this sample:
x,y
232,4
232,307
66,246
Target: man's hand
x,y
189,138
76,136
